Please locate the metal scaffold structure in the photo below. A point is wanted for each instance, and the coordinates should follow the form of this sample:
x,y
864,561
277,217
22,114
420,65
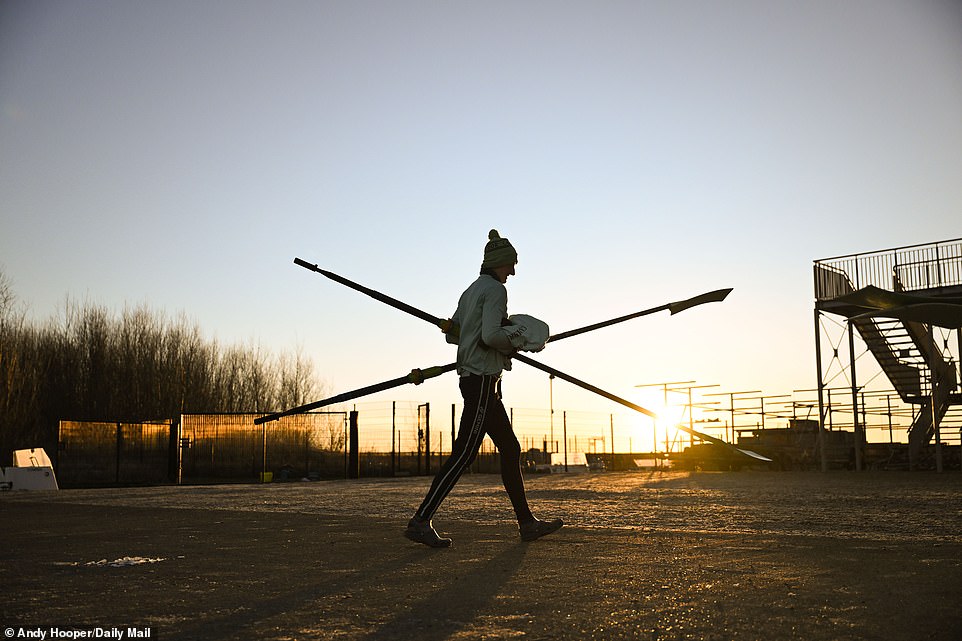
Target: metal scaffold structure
x,y
904,305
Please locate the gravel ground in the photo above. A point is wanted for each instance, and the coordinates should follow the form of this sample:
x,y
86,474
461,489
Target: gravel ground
x,y
643,556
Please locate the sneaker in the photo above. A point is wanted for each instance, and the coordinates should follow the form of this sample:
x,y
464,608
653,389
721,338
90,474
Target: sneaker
x,y
535,529
424,532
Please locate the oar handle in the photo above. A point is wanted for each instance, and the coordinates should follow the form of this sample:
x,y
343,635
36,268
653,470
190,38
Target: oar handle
x,y
306,265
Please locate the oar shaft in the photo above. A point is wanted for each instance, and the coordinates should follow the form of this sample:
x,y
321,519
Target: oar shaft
x,y
607,323
416,376
376,295
340,398
634,406
582,384
709,297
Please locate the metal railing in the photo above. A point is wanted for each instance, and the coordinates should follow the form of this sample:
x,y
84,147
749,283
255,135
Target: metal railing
x,y
911,268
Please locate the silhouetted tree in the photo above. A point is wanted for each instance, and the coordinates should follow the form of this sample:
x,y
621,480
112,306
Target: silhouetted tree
x,y
90,364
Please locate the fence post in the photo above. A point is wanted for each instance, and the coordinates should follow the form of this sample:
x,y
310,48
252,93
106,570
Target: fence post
x,y
427,437
264,453
118,441
564,421
612,419
354,459
173,452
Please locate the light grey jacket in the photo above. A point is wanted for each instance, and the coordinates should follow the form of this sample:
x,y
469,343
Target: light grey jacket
x,y
484,346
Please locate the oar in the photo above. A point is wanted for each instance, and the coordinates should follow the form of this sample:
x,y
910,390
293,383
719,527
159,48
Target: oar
x,y
709,297
715,296
417,376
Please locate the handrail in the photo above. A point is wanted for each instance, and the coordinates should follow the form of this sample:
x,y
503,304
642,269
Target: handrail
x,y
909,268
890,249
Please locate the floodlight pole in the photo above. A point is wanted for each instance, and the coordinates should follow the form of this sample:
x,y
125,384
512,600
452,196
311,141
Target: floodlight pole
x,y
682,387
761,400
654,424
731,404
691,413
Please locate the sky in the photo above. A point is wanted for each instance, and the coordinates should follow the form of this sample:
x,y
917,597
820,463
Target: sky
x,y
181,154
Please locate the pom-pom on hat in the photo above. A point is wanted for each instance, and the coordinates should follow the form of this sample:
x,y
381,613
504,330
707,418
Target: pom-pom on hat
x,y
498,251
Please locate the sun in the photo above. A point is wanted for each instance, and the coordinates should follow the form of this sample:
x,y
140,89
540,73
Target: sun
x,y
659,432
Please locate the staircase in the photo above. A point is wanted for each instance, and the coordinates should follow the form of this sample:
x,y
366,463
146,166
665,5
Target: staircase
x,y
905,350
890,343
913,364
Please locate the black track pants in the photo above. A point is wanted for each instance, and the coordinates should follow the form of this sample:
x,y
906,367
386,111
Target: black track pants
x,y
483,414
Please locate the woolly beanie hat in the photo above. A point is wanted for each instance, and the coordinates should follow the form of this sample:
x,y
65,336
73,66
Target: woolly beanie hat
x,y
498,251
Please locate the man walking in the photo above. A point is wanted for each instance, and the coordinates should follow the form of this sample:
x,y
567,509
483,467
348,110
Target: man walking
x,y
486,338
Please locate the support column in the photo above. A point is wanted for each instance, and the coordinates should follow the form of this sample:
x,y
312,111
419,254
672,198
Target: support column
x,y
936,384
821,385
855,426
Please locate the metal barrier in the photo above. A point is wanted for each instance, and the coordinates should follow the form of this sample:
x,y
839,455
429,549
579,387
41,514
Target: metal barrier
x,y
229,447
102,453
395,439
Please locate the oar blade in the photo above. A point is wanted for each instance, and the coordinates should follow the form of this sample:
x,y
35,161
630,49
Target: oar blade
x,y
754,455
716,296
725,444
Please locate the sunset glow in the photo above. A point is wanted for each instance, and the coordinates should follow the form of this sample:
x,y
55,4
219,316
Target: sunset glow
x,y
633,153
